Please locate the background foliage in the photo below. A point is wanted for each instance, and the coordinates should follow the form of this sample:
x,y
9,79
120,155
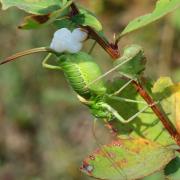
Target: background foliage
x,y
44,131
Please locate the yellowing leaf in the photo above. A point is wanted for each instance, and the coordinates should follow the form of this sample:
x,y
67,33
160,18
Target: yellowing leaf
x,y
176,90
127,158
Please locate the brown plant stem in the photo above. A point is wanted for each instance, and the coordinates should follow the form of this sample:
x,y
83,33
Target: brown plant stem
x,y
113,51
164,119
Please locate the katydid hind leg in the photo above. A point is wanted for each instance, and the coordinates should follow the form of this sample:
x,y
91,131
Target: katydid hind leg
x,y
139,112
122,99
113,112
120,118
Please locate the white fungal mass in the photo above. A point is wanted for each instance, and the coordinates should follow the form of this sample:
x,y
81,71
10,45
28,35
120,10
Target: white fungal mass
x,y
66,41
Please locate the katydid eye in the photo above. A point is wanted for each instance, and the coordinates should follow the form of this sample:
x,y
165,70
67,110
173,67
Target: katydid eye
x,y
66,41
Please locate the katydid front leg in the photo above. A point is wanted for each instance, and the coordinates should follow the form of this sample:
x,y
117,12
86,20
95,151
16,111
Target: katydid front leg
x,y
49,66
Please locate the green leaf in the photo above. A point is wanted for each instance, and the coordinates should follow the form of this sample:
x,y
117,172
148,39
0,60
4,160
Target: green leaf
x,y
127,158
38,21
39,7
162,8
64,23
86,18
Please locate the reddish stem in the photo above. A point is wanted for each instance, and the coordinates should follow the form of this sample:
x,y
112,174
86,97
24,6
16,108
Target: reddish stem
x,y
164,119
112,50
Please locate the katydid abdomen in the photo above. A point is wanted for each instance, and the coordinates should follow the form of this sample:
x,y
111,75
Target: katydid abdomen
x,y
80,69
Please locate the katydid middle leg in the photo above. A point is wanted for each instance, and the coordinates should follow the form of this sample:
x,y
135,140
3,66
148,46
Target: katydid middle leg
x,y
115,97
49,66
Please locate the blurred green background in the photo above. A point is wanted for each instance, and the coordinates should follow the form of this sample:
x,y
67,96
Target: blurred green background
x,y
44,131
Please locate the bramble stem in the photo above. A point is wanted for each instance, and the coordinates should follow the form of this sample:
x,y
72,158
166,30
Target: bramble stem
x,y
112,50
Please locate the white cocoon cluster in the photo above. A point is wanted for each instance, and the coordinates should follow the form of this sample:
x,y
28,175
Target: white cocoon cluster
x,y
66,41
